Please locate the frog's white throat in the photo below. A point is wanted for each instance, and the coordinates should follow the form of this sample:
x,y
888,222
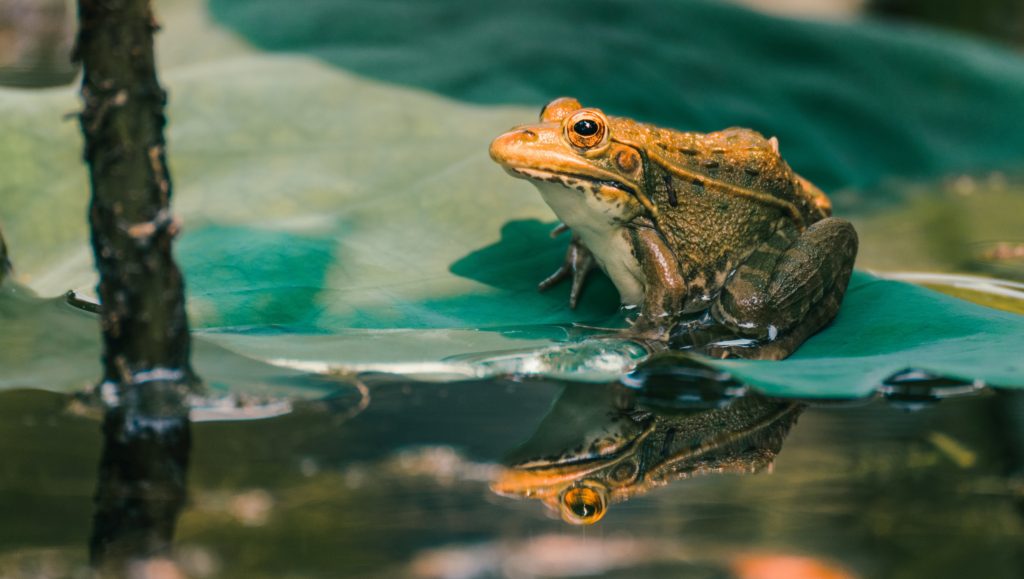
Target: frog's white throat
x,y
599,225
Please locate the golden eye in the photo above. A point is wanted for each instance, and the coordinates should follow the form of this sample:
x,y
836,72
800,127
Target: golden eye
x,y
583,505
586,129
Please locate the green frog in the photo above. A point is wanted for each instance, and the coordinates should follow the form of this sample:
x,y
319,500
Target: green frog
x,y
601,445
713,236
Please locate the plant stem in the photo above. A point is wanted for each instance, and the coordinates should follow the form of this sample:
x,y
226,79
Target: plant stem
x,y
145,330
146,370
5,264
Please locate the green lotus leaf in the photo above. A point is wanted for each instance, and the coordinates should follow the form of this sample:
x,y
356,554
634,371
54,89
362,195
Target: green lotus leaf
x,y
342,215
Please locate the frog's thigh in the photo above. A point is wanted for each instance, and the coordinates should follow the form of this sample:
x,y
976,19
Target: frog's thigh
x,y
664,289
779,292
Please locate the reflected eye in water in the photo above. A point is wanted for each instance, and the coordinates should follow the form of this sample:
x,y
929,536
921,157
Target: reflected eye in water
x,y
584,504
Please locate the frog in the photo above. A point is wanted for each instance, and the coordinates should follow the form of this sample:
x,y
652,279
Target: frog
x,y
602,445
711,237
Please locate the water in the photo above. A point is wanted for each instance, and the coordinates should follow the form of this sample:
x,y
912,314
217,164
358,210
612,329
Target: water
x,y
404,489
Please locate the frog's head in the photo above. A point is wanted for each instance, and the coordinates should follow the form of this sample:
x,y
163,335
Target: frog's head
x,y
580,483
575,148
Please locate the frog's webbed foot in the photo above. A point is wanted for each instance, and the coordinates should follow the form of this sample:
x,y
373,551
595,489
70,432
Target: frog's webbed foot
x,y
704,335
750,350
697,332
577,265
648,329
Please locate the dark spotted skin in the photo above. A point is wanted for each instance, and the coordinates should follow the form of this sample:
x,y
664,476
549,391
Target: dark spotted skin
x,y
772,269
731,243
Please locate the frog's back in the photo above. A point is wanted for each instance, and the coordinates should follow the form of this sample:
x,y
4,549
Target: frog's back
x,y
741,162
719,196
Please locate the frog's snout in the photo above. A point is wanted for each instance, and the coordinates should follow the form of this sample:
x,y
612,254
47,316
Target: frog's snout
x,y
510,146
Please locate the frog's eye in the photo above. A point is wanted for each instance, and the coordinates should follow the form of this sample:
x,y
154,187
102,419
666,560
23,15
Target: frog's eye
x,y
586,129
583,504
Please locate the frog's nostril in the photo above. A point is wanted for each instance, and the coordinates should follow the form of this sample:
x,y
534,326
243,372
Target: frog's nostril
x,y
509,144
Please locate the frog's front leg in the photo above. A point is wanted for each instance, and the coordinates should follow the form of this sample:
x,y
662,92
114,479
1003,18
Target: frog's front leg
x,y
664,290
786,290
577,264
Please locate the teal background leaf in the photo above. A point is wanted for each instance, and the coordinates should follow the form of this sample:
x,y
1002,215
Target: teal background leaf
x,y
850,102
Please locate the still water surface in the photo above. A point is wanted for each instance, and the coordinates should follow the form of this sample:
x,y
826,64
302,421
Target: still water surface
x,y
406,487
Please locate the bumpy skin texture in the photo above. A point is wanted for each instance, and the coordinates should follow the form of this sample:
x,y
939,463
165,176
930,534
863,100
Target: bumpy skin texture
x,y
712,235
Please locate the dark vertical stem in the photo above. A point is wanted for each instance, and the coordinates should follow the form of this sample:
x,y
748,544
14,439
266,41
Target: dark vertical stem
x,y
141,289
5,264
146,370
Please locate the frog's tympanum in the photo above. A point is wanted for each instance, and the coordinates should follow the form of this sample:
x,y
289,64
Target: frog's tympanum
x,y
597,447
720,244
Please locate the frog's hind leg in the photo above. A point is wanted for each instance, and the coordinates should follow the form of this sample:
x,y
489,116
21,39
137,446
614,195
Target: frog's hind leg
x,y
781,295
786,343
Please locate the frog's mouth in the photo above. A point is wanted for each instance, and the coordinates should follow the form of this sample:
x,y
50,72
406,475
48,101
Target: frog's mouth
x,y
519,153
573,181
528,477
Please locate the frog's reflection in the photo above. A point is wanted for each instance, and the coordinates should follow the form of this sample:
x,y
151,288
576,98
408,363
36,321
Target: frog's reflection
x,y
604,444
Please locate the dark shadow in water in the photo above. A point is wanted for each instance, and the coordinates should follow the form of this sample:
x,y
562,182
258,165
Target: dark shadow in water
x,y
141,487
602,445
913,389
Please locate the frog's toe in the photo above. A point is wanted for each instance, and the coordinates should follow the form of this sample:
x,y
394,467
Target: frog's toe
x,y
748,351
554,279
730,352
641,330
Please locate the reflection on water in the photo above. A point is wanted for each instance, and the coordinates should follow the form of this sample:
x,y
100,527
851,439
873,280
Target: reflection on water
x,y
600,445
142,478
404,488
